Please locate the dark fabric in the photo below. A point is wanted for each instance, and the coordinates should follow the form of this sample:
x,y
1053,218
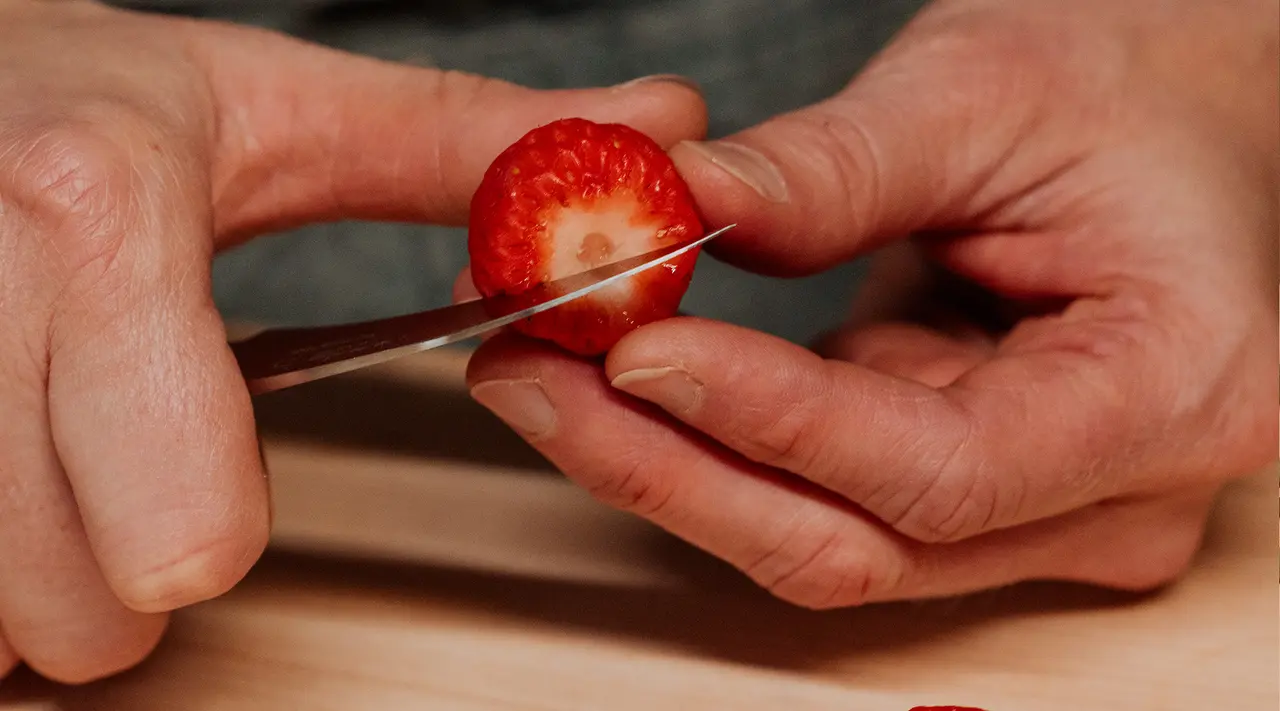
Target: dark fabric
x,y
754,58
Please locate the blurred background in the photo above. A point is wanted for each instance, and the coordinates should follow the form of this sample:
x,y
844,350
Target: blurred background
x,y
753,58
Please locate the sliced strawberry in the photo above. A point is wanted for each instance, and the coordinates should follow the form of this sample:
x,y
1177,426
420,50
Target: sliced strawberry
x,y
571,196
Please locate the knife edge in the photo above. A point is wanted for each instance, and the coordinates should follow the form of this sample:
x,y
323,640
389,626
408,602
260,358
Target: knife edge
x,y
274,359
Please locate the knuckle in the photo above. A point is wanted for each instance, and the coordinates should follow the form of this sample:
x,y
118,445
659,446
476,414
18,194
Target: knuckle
x,y
940,516
642,488
463,96
463,90
857,165
791,440
73,179
821,572
959,500
843,161
63,164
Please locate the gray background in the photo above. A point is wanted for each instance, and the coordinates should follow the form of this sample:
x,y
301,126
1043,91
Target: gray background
x,y
754,58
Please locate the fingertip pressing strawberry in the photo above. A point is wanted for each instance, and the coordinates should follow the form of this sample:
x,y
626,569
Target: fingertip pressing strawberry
x,y
573,195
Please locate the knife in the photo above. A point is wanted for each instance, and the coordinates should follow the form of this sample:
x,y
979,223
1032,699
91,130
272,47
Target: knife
x,y
275,359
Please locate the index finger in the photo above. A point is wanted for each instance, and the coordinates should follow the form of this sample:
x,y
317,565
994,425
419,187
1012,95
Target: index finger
x,y
1022,437
310,133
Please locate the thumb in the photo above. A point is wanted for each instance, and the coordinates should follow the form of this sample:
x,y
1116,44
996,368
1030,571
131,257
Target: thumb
x,y
921,140
309,133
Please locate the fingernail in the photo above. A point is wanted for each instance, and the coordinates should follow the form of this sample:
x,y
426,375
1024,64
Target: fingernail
x,y
676,79
746,164
670,388
522,404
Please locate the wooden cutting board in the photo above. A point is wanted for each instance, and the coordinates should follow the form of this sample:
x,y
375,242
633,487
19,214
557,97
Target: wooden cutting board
x,y
425,558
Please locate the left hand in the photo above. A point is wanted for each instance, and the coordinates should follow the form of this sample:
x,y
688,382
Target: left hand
x,y
133,147
1114,200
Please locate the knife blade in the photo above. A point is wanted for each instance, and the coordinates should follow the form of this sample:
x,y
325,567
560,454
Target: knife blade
x,y
279,358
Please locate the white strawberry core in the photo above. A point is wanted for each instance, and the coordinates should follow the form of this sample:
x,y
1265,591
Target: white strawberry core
x,y
588,236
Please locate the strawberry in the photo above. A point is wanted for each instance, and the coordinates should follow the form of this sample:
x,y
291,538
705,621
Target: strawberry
x,y
571,196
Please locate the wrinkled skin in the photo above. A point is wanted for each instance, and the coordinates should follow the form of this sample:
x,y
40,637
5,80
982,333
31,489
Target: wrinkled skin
x,y
1065,348
130,477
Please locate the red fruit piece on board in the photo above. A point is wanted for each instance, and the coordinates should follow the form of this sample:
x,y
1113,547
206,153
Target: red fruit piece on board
x,y
571,196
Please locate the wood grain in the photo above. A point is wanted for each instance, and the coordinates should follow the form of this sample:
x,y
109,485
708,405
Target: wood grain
x,y
424,558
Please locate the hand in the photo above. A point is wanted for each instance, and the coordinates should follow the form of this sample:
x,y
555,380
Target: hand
x,y
1065,349
132,148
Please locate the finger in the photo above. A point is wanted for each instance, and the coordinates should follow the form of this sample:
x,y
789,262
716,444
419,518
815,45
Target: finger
x,y
903,283
56,609
1024,436
1136,545
311,133
901,324
149,413
924,138
906,350
794,539
896,281
874,439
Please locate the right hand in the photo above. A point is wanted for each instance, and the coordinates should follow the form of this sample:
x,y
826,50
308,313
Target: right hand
x,y
1099,180
132,148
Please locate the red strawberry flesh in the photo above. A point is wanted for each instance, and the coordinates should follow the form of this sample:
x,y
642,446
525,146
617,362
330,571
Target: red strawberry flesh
x,y
571,196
